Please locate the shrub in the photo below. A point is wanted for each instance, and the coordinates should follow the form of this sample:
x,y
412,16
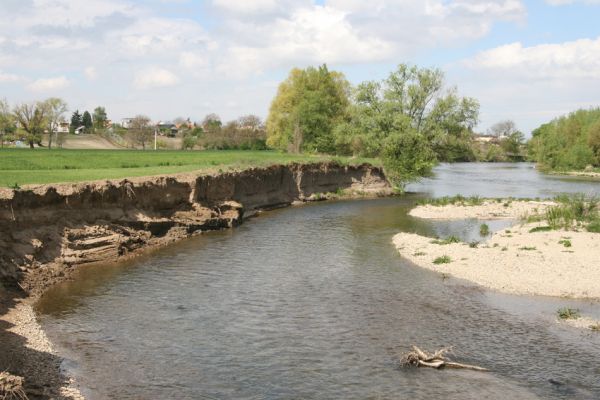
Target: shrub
x,y
565,242
540,229
448,240
442,260
568,313
484,230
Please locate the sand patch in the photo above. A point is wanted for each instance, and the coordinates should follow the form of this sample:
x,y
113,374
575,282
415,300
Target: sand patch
x,y
489,209
516,261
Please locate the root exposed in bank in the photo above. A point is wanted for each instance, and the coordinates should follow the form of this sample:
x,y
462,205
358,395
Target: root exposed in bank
x,y
11,387
419,358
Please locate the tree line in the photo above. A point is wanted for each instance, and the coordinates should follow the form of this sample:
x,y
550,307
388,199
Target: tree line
x,y
409,120
571,142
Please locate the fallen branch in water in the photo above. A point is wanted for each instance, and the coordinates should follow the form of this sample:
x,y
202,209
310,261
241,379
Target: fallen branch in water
x,y
11,387
419,358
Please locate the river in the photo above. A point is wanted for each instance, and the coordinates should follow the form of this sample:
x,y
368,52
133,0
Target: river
x,y
314,302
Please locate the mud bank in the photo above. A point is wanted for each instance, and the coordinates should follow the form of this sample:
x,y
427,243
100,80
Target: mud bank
x,y
46,232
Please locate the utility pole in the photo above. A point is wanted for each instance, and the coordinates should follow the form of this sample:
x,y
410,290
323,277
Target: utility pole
x,y
155,135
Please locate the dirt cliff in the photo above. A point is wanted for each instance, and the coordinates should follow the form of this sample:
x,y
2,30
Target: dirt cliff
x,y
47,230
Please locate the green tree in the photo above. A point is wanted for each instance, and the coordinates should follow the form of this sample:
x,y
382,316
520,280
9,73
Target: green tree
x,y
86,121
307,107
100,118
140,132
55,109
567,143
32,119
411,102
7,122
76,121
512,143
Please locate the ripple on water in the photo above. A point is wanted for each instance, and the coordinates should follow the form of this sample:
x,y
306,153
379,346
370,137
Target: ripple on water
x,y
311,302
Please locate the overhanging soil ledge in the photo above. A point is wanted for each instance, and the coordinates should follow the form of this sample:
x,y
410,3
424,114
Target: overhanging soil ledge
x,y
49,230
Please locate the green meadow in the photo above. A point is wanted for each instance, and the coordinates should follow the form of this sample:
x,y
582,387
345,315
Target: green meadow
x,y
25,166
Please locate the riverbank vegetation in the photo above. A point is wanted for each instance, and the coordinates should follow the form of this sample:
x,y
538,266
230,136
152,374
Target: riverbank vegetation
x,y
409,120
22,166
568,143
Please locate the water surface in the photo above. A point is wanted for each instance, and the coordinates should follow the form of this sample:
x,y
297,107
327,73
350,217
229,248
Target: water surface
x,y
314,302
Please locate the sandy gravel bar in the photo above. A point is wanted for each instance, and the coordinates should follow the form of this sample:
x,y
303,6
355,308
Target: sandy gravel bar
x,y
38,356
517,261
489,209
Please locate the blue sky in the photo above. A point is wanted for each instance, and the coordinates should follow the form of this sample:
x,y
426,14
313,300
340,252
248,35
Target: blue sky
x,y
523,60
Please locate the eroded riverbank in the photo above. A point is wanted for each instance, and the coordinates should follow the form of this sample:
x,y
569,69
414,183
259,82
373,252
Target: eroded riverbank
x,y
48,231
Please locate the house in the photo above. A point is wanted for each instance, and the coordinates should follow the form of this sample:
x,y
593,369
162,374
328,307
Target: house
x,y
485,138
126,122
62,127
167,128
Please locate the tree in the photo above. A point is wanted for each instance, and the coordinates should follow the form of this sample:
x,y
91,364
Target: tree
x,y
100,118
140,132
7,123
570,142
503,128
54,110
87,123
411,102
512,143
32,119
76,122
212,124
308,105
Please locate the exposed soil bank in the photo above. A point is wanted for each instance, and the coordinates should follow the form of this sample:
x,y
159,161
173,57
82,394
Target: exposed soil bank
x,y
47,231
515,260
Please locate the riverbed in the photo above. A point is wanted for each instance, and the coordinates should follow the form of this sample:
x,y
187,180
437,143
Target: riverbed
x,y
314,302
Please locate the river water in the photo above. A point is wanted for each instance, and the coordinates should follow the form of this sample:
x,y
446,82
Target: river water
x,y
314,302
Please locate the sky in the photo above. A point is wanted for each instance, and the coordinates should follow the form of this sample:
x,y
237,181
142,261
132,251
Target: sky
x,y
525,60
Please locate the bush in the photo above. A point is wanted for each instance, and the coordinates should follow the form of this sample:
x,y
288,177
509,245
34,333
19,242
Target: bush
x,y
442,260
568,313
484,230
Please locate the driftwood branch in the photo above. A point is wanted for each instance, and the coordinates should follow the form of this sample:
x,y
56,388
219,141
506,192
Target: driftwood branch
x,y
11,387
419,358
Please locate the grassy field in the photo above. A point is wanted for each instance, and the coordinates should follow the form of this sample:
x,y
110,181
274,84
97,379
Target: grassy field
x,y
25,166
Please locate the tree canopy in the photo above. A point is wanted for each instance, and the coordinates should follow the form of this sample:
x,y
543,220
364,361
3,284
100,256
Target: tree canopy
x,y
308,104
570,142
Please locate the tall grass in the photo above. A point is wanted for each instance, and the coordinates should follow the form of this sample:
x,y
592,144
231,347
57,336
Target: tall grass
x,y
574,211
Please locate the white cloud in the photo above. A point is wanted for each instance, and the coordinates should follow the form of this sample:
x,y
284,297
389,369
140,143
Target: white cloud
x,y
564,2
575,59
191,60
6,77
90,73
154,77
48,84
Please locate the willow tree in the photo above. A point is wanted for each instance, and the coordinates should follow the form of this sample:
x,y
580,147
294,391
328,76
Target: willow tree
x,y
308,105
32,119
409,120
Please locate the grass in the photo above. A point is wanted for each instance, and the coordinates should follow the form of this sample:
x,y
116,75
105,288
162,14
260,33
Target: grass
x,y
540,229
572,211
565,242
568,313
442,260
447,200
448,240
25,166
484,230
527,248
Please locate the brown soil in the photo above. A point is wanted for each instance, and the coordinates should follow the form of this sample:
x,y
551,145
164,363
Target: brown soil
x,y
48,231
